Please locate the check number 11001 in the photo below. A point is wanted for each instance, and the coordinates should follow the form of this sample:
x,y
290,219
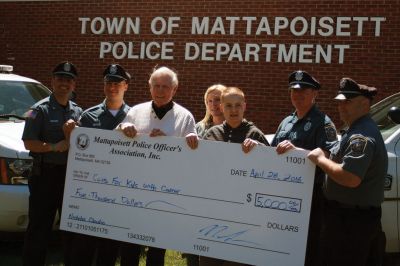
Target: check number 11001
x,y
295,160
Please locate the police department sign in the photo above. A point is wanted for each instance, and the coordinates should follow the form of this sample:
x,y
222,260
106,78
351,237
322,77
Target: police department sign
x,y
220,50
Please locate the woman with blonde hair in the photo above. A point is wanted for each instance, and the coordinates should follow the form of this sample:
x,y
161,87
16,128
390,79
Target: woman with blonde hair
x,y
213,114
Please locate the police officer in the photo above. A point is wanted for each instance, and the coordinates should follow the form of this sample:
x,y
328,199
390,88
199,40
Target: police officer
x,y
354,186
106,115
307,128
43,136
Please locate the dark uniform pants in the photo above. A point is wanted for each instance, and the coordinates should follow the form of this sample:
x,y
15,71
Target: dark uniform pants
x,y
191,259
155,256
84,250
314,228
349,234
46,193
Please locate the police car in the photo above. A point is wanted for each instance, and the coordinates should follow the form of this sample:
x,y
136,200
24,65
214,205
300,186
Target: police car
x,y
17,95
386,114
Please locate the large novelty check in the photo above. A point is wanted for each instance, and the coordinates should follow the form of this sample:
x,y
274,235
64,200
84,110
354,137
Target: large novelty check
x,y
214,201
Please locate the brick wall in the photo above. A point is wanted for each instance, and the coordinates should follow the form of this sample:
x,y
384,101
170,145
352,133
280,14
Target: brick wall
x,y
36,35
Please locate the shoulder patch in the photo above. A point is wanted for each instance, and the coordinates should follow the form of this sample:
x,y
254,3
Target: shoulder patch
x,y
358,145
31,114
330,132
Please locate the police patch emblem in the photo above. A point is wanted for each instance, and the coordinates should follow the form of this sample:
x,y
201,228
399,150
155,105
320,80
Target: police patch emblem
x,y
330,132
358,145
30,114
67,67
307,126
82,142
113,69
299,75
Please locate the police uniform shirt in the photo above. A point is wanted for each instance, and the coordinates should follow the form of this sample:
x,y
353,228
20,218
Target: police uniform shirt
x,y
100,117
362,152
313,130
44,123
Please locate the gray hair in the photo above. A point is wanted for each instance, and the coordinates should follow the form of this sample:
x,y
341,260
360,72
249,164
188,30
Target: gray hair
x,y
164,71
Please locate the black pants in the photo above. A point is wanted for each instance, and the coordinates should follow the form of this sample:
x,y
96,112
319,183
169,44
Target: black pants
x,y
191,259
130,254
85,248
314,228
349,234
155,256
46,194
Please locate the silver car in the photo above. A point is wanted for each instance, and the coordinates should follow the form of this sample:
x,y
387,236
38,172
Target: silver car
x,y
390,131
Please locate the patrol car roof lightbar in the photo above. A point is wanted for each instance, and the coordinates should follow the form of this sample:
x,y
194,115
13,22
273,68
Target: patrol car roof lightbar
x,y
6,69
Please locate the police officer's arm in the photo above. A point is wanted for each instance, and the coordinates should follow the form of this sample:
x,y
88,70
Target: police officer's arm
x,y
68,127
40,146
284,146
326,135
334,170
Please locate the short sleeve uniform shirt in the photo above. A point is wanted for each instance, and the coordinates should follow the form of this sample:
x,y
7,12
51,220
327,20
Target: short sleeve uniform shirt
x,y
362,152
44,122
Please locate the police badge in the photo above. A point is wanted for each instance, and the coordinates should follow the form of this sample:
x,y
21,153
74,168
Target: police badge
x,y
299,75
113,69
307,126
67,67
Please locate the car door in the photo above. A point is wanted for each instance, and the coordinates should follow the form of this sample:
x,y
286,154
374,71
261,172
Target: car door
x,y
396,171
391,205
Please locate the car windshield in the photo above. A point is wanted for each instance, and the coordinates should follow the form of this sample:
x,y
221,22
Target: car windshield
x,y
16,97
379,115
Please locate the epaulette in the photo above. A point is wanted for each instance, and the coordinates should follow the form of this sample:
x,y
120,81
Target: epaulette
x,y
74,103
41,102
96,107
